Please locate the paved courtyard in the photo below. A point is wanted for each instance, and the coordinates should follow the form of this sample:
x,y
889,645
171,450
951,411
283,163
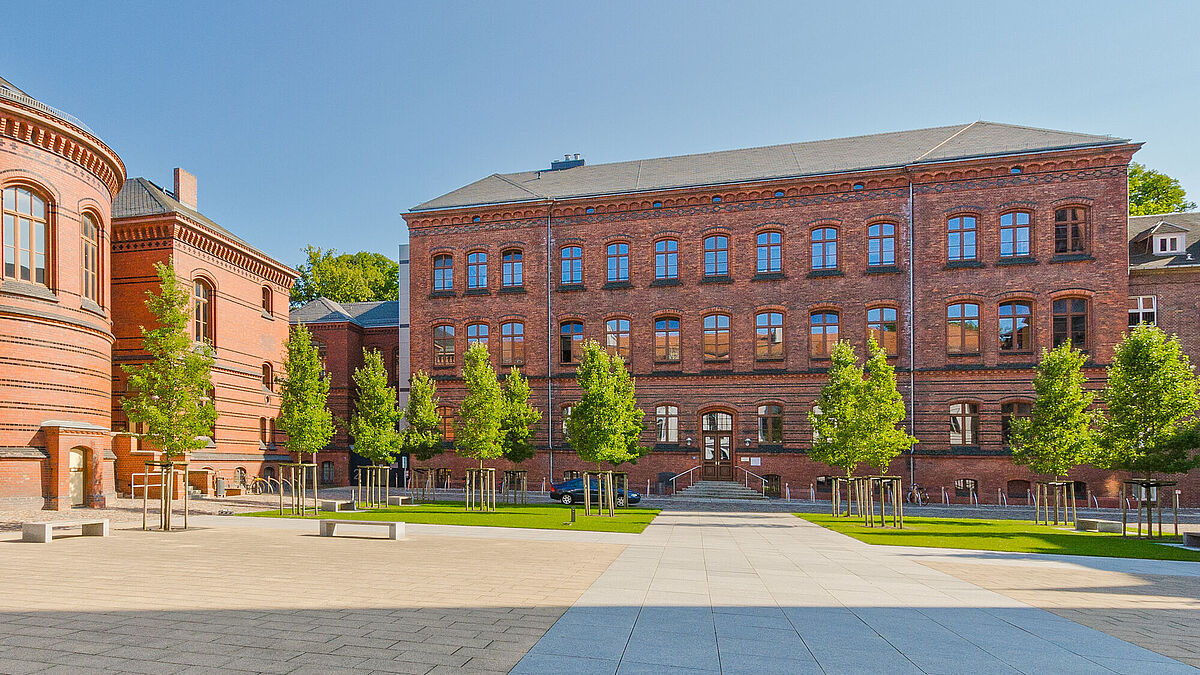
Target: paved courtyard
x,y
696,592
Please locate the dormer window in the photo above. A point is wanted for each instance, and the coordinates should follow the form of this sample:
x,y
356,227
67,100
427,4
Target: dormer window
x,y
1168,244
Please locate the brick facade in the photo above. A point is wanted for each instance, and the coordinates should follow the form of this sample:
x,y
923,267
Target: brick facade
x,y
1038,184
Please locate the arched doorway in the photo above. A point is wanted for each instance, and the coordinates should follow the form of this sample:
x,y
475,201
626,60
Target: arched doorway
x,y
78,475
717,442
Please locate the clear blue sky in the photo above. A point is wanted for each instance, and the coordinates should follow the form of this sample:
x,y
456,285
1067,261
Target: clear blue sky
x,y
322,122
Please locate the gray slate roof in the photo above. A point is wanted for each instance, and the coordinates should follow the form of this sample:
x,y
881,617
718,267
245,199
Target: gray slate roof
x,y
141,197
1141,227
365,314
858,153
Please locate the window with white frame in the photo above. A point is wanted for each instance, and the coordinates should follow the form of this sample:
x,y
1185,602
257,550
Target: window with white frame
x,y
666,419
1143,309
1168,244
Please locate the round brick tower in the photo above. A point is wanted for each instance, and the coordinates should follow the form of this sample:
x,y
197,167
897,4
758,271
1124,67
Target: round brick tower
x,y
57,183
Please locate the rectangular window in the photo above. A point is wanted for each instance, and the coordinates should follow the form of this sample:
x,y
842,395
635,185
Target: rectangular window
x,y
961,238
570,343
443,273
824,249
1070,230
823,334
666,419
446,422
883,325
1014,234
881,244
768,328
618,262
512,269
1015,330
770,252
666,339
616,335
964,423
666,259
770,424
1071,322
443,345
962,328
572,265
716,337
512,344
477,270
716,256
1143,309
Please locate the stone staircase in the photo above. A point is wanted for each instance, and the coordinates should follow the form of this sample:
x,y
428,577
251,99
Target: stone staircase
x,y
719,489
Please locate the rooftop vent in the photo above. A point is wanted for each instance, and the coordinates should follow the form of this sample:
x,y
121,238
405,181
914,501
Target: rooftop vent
x,y
567,162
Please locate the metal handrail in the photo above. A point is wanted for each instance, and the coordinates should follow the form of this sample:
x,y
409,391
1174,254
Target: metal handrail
x,y
749,473
674,487
34,103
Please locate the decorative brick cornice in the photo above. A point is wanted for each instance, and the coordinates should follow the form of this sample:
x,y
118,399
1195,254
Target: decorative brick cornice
x,y
56,136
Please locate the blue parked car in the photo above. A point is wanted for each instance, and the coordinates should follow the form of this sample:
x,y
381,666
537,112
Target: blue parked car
x,y
571,492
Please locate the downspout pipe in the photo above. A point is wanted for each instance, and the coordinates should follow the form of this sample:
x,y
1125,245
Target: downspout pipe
x,y
549,336
912,346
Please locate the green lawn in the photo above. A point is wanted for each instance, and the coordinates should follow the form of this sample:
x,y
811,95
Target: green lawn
x,y
536,516
1001,535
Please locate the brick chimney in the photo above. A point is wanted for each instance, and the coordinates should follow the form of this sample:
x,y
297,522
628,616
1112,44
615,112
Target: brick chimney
x,y
185,188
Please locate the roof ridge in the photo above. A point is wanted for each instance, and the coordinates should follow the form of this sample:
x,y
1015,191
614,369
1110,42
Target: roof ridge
x,y
519,187
947,140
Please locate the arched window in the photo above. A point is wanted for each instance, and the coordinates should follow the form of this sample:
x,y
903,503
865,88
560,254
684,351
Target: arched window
x,y
666,339
1015,332
512,268
446,422
881,244
960,238
666,420
716,337
965,487
268,377
962,328
572,265
477,272
512,343
666,259
770,252
770,424
90,258
26,236
1070,229
616,337
884,326
716,256
824,248
443,345
1071,322
570,342
443,272
203,312
271,431
1008,411
618,262
964,424
267,298
823,334
768,344
262,430
1014,234
477,334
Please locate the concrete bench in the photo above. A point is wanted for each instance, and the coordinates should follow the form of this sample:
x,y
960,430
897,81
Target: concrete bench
x,y
395,528
398,500
1097,525
1191,539
336,504
44,532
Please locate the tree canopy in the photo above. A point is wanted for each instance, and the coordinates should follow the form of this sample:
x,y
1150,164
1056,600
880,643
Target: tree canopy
x,y
837,440
516,425
346,277
477,431
880,411
422,436
1058,435
1151,398
376,415
171,393
606,424
1152,192
304,412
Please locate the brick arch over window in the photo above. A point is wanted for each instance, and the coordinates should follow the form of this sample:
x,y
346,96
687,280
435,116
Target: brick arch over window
x,y
27,232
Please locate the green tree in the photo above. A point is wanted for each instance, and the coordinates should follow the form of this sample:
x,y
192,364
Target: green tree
x,y
606,424
880,411
835,419
516,426
304,412
376,415
1151,398
171,392
477,432
1152,192
422,437
346,277
1058,435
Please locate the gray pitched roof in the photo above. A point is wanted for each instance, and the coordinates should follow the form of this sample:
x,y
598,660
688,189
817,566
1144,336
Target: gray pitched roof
x,y
365,314
1142,227
141,197
859,153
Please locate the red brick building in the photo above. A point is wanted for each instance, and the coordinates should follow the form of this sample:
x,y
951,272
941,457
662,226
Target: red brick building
x,y
57,183
726,278
240,298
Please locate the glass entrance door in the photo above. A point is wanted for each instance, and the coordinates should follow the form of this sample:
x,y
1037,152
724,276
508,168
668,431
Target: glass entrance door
x,y
718,446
